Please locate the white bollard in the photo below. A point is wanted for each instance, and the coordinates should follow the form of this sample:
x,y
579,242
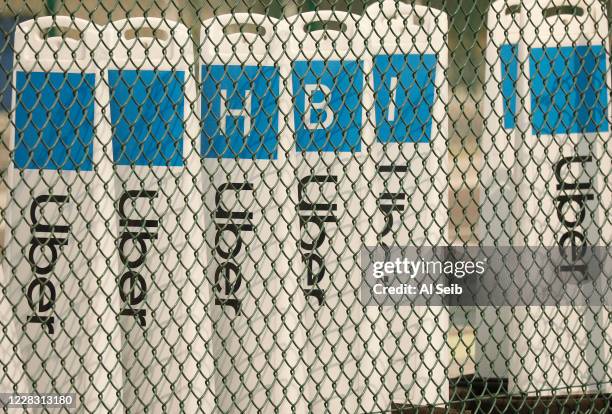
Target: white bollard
x,y
407,145
565,128
246,192
12,378
326,83
498,145
60,249
150,98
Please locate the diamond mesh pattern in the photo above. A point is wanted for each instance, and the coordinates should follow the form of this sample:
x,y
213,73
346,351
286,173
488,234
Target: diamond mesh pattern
x,y
186,193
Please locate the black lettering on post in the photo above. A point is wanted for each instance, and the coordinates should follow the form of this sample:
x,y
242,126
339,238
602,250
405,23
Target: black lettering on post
x,y
317,214
579,200
562,185
572,200
133,290
390,203
139,222
42,293
133,287
230,223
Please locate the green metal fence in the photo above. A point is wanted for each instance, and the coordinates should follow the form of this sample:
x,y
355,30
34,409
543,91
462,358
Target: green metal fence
x,y
224,207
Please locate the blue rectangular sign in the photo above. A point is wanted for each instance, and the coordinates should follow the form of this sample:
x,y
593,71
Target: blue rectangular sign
x,y
147,115
508,54
569,92
327,99
404,91
240,111
54,121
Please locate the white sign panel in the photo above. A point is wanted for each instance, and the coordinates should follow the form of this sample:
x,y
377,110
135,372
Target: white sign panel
x,y
149,98
566,124
59,244
408,203
246,192
326,80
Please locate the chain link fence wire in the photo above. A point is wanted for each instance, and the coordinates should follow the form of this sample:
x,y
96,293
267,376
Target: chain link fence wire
x,y
189,190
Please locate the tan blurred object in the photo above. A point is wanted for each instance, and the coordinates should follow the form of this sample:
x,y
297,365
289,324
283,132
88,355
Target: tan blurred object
x,y
461,343
465,124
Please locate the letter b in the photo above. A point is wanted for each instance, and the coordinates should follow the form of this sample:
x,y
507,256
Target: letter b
x,y
309,106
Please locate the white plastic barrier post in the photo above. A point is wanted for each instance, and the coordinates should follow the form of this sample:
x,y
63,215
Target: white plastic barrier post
x,y
326,83
407,144
150,98
12,378
58,245
498,146
565,124
246,192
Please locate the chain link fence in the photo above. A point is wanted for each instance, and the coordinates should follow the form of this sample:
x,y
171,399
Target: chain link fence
x,y
311,207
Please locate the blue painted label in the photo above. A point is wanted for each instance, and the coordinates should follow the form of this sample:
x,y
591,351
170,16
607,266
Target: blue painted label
x,y
508,55
404,89
54,121
240,111
147,115
568,90
327,109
